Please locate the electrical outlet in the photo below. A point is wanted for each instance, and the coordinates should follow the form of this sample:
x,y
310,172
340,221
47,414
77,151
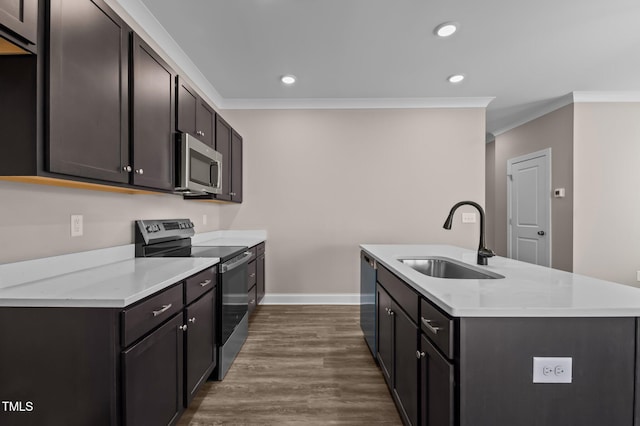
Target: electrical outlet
x,y
552,369
76,225
468,218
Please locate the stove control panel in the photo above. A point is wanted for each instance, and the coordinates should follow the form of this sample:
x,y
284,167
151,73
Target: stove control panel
x,y
149,231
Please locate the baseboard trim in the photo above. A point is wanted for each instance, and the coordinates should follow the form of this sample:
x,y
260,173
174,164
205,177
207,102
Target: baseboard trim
x,y
311,299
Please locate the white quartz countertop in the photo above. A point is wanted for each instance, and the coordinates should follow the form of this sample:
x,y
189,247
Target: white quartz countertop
x,y
229,238
526,291
105,278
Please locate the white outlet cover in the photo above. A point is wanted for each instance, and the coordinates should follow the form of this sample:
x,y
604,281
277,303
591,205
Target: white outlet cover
x,y
468,218
552,369
76,225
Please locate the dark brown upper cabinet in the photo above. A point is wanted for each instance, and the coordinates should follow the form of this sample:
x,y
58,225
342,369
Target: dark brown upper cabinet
x,y
88,99
18,25
194,116
236,167
152,121
223,146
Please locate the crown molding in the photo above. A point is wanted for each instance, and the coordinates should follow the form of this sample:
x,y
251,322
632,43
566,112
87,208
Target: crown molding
x,y
560,102
356,103
606,96
141,18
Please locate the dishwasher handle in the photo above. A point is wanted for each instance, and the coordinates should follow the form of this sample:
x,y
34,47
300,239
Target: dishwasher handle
x,y
236,262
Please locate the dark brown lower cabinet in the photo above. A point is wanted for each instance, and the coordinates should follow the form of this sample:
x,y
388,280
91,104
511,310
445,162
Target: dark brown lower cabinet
x,y
385,335
260,287
436,387
200,345
253,302
140,365
153,377
397,346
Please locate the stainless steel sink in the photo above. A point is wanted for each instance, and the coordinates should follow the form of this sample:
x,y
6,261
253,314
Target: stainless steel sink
x,y
443,267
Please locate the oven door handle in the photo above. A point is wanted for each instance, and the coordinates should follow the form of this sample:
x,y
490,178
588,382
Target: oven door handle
x,y
228,266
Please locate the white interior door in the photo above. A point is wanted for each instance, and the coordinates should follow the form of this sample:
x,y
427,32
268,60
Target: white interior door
x,y
529,207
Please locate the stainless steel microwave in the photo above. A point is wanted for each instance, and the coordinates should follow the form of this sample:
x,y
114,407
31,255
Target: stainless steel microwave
x,y
199,167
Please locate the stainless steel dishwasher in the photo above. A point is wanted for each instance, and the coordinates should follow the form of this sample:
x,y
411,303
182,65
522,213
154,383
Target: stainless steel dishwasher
x,y
368,269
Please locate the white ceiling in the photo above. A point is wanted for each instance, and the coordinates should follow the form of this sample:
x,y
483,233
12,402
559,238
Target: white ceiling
x,y
525,54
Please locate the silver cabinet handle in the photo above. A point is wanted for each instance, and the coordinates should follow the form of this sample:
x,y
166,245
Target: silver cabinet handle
x,y
419,354
192,320
205,283
164,308
183,327
391,312
233,194
127,168
431,328
252,275
139,171
252,302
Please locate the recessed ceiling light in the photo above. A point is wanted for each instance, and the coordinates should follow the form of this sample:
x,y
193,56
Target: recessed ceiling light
x,y
456,78
288,79
446,29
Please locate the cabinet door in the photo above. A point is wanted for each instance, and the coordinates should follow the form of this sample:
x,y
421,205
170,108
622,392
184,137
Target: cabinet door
x,y
236,167
152,377
187,106
260,290
385,335
223,146
436,387
88,91
205,123
20,17
406,363
200,344
153,118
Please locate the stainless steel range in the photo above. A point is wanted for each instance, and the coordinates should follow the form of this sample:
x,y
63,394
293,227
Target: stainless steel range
x,y
172,238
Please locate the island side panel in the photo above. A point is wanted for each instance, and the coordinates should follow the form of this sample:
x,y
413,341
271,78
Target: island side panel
x,y
59,366
496,371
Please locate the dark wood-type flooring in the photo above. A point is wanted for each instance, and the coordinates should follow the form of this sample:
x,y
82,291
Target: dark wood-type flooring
x,y
300,365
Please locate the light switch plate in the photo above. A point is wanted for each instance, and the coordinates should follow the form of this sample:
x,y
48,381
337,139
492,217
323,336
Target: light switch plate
x,y
552,369
468,218
76,225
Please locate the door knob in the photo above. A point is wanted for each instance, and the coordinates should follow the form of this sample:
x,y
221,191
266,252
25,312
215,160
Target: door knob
x,y
541,233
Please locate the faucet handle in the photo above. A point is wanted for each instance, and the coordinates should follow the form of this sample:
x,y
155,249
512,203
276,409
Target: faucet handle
x,y
486,252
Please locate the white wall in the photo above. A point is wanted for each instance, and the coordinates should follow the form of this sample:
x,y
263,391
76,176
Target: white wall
x,y
35,219
321,182
606,224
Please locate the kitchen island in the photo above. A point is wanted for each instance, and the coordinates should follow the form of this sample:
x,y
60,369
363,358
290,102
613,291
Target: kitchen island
x,y
461,351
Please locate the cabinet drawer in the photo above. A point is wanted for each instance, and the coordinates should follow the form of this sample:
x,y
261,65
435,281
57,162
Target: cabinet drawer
x,y
146,315
198,284
260,249
402,293
438,327
253,299
251,273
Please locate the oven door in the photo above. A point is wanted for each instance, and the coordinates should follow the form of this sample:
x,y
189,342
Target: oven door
x,y
234,291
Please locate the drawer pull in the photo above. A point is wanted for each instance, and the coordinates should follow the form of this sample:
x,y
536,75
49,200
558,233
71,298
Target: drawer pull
x,y
192,320
431,328
419,354
252,275
205,283
252,302
183,327
164,308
